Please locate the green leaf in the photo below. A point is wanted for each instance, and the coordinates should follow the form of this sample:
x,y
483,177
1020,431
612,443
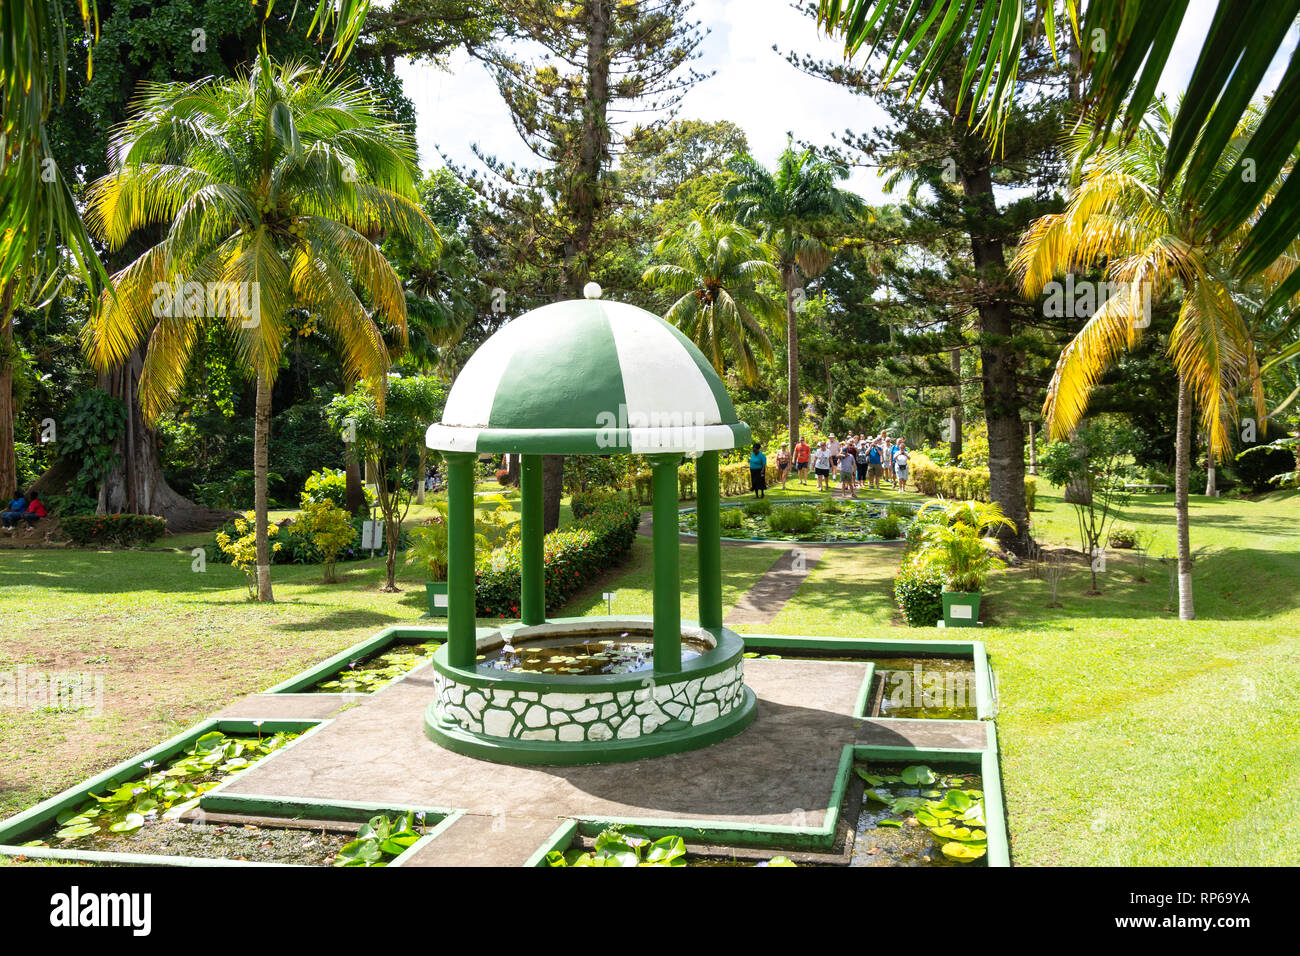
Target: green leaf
x,y
360,852
964,852
131,823
918,774
665,850
76,830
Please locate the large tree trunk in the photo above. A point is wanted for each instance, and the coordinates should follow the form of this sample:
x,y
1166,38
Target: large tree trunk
x,y
1000,380
582,203
954,439
1182,478
792,351
135,483
261,449
552,481
1079,491
8,455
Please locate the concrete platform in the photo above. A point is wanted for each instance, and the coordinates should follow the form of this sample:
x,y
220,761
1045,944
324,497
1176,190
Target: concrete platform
x,y
781,771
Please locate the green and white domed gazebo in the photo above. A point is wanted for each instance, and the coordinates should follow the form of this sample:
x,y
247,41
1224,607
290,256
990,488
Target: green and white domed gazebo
x,y
588,377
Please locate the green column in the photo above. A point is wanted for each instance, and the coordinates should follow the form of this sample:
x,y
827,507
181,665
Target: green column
x,y
532,572
461,632
709,538
667,584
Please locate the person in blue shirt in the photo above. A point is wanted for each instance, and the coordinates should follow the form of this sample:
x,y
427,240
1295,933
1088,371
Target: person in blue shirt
x,y
758,472
17,506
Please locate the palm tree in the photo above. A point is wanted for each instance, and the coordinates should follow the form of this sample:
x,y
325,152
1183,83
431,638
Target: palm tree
x,y
273,187
42,235
714,268
1148,241
1123,47
796,210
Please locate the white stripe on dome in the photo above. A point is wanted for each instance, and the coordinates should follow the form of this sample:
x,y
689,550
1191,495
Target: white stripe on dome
x,y
451,438
648,441
470,400
660,377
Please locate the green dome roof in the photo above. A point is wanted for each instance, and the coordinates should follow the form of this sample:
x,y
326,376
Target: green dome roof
x,y
588,377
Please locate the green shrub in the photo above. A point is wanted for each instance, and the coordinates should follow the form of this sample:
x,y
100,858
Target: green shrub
x,y
830,506
572,558
792,519
758,508
1257,466
584,503
113,530
962,483
918,592
331,484
296,547
329,529
1123,536
899,510
888,526
731,518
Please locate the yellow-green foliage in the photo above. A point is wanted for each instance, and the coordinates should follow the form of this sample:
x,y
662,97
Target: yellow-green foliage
x,y
243,549
329,529
961,483
428,547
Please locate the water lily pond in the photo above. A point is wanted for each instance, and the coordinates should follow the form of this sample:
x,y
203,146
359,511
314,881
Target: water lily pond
x,y
941,688
366,675
597,652
829,519
160,792
918,815
617,846
918,688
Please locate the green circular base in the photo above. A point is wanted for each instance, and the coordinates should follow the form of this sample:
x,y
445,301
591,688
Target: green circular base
x,y
539,752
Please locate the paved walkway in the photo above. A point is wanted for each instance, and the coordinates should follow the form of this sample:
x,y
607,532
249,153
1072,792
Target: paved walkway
x,y
763,602
779,771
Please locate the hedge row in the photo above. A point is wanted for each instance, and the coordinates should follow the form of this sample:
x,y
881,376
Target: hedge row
x,y
732,479
296,548
960,483
120,530
573,557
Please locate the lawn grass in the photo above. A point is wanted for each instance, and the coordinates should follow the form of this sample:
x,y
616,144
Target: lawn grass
x,y
1127,737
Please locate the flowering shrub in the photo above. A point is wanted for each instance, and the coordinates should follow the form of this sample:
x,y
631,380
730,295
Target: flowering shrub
x,y
242,550
572,558
122,530
584,503
328,527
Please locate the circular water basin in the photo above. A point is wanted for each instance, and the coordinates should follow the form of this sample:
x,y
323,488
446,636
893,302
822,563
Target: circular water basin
x,y
594,652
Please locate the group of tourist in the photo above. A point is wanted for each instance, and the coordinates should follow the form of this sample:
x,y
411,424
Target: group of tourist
x,y
20,508
859,461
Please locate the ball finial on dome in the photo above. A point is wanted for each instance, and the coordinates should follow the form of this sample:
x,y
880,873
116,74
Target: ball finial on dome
x,y
591,290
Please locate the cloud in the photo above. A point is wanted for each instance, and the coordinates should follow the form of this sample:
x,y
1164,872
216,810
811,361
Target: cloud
x,y
754,87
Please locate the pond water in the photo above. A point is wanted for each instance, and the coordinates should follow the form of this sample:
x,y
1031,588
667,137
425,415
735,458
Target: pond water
x,y
935,688
595,652
367,674
163,793
898,821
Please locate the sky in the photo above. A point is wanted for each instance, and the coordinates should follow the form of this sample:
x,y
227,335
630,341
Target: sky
x,y
754,87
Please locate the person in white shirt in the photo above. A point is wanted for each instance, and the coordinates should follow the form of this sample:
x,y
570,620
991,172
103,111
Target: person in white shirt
x,y
900,465
822,466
